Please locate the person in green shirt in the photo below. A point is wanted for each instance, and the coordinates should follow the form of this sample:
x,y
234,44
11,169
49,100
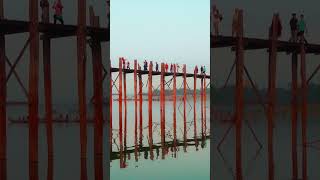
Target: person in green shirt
x,y
302,28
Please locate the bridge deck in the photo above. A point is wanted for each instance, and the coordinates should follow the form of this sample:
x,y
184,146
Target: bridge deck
x,y
254,43
155,73
52,30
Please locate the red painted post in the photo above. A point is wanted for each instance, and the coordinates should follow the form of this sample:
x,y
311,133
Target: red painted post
x,y
175,105
110,110
164,102
194,105
185,103
150,103
272,95
125,106
120,110
3,99
239,97
294,115
81,54
161,106
205,105
304,112
135,105
201,99
140,108
33,90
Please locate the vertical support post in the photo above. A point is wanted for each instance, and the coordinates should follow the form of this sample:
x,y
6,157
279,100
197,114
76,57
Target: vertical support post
x,y
304,112
161,106
120,111
205,104
81,51
175,105
111,102
3,100
185,104
125,107
140,108
272,94
135,105
33,90
201,101
195,105
98,101
150,103
239,97
294,115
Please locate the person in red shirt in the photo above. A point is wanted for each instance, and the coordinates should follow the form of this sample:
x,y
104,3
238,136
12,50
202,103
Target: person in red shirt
x,y
196,70
57,6
167,67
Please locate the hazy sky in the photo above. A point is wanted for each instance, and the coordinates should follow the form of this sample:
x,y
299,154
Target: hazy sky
x,y
166,30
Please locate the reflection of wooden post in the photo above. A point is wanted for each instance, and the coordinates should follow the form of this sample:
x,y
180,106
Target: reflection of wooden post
x,y
33,90
272,94
125,107
239,97
304,111
3,99
140,108
161,106
185,104
174,105
294,115
201,101
110,109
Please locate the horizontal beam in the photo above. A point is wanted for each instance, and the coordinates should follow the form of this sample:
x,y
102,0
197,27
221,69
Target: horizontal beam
x,y
155,73
254,44
53,30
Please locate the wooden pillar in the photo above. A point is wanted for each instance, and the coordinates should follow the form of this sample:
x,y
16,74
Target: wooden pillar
x,y
205,105
135,105
272,94
175,105
304,111
150,103
120,110
98,100
239,103
201,106
185,103
140,108
3,99
81,51
294,115
110,108
195,105
125,106
161,105
33,90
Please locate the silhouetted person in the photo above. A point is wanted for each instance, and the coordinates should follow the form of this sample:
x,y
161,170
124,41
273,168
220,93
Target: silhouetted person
x,y
57,6
196,70
204,70
302,28
217,18
157,67
44,4
145,65
201,69
294,28
178,67
123,63
128,65
171,68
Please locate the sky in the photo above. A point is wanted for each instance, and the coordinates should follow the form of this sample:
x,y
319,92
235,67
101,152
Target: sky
x,y
165,31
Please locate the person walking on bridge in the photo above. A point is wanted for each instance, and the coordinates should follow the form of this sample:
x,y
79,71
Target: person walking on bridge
x,y
145,65
302,28
294,28
57,6
196,70
128,65
157,67
167,67
217,18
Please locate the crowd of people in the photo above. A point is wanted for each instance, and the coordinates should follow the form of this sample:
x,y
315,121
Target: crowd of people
x,y
298,26
126,65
